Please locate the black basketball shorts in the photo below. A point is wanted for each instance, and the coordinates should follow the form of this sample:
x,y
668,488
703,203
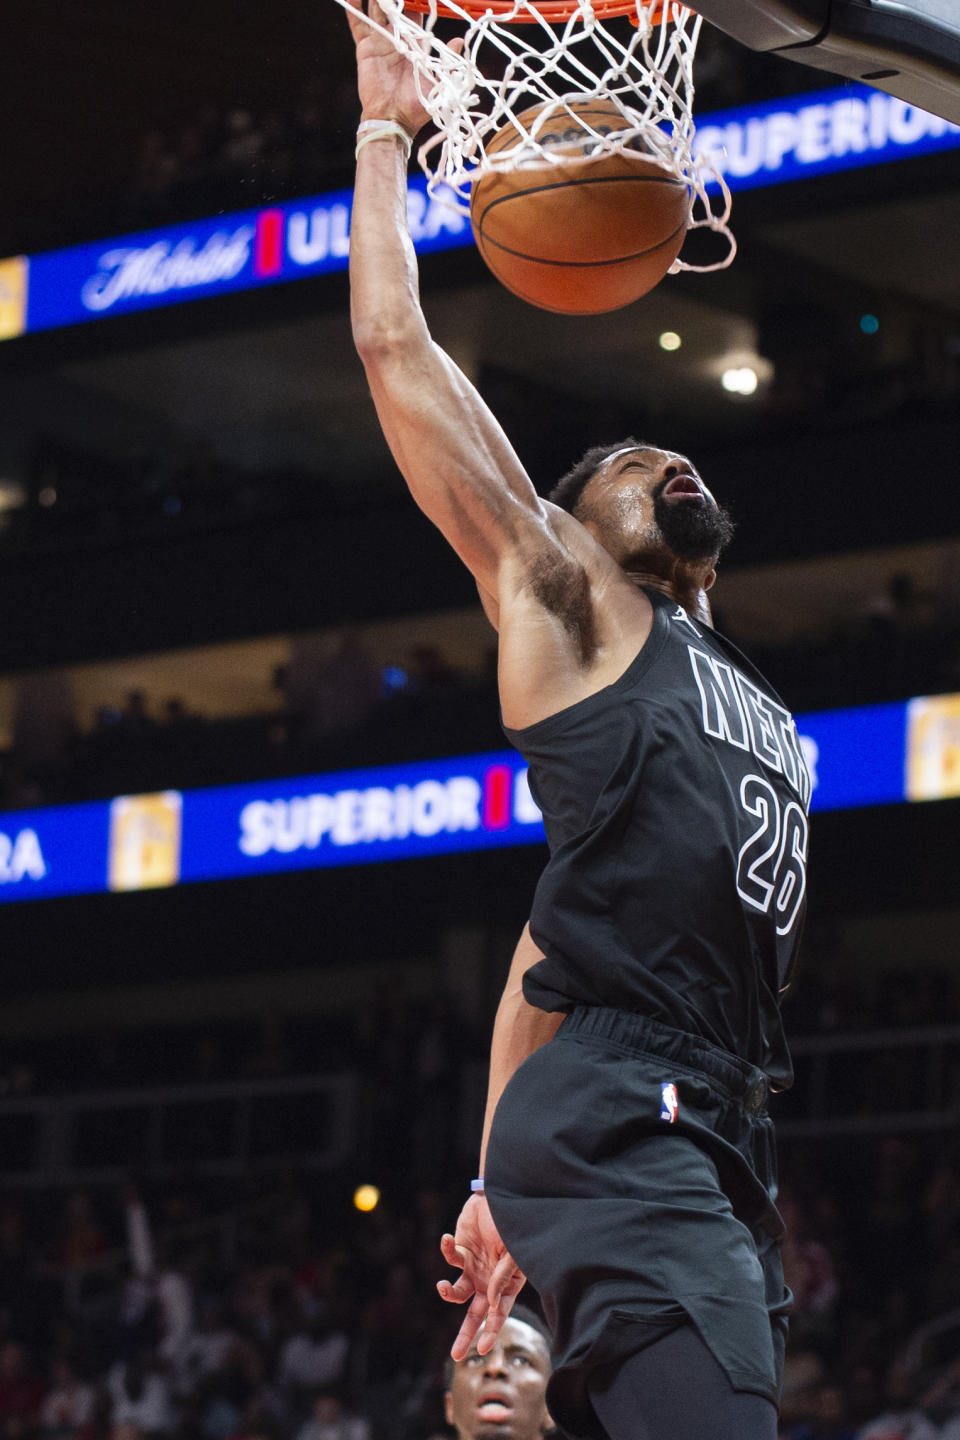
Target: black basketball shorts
x,y
631,1174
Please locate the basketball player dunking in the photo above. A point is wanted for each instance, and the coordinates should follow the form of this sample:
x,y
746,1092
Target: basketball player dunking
x,y
630,1165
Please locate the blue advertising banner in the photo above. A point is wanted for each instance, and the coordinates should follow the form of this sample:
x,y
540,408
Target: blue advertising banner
x,y
359,816
194,261
855,757
58,851
804,136
795,138
872,755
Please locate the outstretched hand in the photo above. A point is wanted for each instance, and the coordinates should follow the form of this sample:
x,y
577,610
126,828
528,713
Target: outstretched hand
x,y
490,1280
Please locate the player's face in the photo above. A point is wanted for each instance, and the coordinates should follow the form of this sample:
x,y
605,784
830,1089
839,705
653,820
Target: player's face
x,y
502,1396
643,501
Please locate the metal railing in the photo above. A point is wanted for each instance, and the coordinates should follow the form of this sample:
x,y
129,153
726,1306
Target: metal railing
x,y
858,1083
871,1082
216,1130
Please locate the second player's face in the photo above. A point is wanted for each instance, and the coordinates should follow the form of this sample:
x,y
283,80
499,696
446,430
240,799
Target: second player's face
x,y
502,1396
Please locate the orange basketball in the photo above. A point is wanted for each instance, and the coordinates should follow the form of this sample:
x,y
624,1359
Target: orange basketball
x,y
585,236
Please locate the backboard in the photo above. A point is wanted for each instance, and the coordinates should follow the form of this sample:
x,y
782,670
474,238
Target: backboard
x,y
909,48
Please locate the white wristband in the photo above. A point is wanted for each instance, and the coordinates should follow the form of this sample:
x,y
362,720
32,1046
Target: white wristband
x,y
382,130
476,1186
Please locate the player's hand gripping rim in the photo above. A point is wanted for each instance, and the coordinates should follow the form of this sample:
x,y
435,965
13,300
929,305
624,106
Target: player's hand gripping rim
x,y
386,80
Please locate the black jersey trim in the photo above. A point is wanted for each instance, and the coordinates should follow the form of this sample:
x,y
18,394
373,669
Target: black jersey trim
x,y
647,656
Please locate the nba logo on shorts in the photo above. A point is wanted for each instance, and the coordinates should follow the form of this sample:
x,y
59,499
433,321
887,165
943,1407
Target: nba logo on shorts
x,y
669,1103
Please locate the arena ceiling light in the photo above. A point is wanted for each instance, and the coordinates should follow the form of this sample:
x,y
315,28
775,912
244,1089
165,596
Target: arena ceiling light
x,y
13,496
740,380
740,371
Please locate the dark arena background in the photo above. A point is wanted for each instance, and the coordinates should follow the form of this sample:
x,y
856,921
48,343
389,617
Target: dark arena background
x,y
263,852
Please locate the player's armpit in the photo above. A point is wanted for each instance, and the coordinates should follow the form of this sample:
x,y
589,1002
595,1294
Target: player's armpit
x,y
561,585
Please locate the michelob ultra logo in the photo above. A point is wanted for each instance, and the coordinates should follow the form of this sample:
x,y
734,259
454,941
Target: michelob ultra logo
x,y
145,841
127,272
277,243
21,857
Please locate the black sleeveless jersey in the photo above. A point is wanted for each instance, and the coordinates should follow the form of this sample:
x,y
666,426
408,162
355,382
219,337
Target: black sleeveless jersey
x,y
675,803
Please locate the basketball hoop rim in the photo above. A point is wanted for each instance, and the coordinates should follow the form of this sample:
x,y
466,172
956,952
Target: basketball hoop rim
x,y
548,10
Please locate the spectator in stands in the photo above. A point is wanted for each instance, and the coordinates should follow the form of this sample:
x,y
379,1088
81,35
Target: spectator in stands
x,y
335,694
864,1386
156,172
281,1255
890,619
135,1319
829,1420
18,790
207,1348
243,144
283,1223
891,1239
18,1293
82,1240
259,1423
174,1295
809,1272
223,1394
140,1395
135,719
903,1419
192,157
941,1199
21,1392
941,1400
503,1392
177,714
429,669
276,157
44,723
943,1286
330,1421
313,1358
803,1375
396,1324
69,1402
99,1426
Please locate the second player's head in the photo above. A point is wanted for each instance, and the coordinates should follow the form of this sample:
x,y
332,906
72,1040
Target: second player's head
x,y
502,1395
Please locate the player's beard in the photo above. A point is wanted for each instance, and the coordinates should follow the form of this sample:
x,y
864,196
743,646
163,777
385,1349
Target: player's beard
x,y
692,529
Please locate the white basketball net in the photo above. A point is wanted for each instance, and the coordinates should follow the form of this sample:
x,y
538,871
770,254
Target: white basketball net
x,y
644,67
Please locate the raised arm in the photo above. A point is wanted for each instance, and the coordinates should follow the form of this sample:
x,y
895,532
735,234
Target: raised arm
x,y
459,465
